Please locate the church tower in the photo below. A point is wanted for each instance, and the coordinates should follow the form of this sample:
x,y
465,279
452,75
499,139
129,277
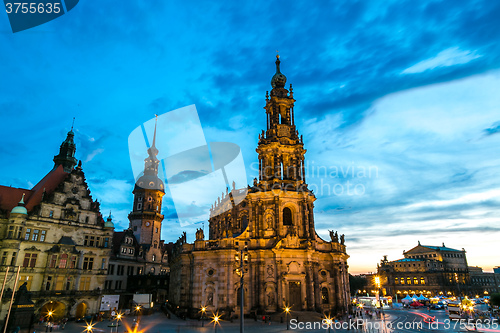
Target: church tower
x,y
281,150
146,218
286,263
66,156
279,203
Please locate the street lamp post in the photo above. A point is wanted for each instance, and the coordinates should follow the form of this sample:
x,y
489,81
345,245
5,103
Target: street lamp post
x,y
118,318
216,322
137,313
203,312
242,259
287,311
328,320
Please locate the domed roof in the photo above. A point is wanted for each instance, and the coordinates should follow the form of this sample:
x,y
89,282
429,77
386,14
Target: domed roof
x,y
20,209
150,182
109,223
279,79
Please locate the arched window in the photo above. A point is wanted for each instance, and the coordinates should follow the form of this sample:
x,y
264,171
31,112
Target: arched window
x,y
244,222
324,295
287,216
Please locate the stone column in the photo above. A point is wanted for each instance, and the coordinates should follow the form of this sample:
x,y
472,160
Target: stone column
x,y
312,283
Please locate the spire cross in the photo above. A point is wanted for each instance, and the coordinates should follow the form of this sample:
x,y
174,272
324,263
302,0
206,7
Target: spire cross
x,y
73,123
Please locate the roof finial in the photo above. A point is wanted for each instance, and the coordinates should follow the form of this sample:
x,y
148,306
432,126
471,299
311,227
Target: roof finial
x,y
277,62
154,135
22,200
73,124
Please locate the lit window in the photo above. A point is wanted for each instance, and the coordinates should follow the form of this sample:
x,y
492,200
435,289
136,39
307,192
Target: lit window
x,y
63,261
34,237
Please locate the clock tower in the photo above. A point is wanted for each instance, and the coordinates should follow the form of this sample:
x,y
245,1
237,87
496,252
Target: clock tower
x,y
146,218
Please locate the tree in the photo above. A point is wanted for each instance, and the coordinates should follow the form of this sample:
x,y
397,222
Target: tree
x,y
357,283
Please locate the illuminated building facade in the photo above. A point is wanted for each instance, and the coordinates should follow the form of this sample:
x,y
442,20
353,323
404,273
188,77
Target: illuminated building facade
x,y
287,263
58,237
432,270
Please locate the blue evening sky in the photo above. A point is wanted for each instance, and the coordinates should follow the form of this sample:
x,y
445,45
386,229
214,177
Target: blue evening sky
x,y
398,102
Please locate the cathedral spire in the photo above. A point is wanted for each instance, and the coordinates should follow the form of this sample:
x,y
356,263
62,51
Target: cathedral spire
x,y
66,156
154,134
281,151
151,162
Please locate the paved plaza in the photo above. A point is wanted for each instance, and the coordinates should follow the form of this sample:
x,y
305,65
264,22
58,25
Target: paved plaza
x,y
392,321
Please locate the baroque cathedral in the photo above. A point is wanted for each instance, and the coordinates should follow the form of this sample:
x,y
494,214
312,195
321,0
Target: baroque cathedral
x,y
268,240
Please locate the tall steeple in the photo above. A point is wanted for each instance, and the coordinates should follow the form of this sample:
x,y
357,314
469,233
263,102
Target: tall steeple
x,y
151,163
146,218
66,156
281,150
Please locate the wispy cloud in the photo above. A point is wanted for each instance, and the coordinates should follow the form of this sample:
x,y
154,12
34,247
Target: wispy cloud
x,y
495,128
449,57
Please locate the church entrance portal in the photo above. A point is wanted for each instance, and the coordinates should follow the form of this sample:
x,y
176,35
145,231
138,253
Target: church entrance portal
x,y
53,311
294,295
81,310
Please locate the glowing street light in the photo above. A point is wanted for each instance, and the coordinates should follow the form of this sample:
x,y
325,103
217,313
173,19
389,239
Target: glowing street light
x,y
203,313
89,327
137,313
118,317
287,311
215,320
329,321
